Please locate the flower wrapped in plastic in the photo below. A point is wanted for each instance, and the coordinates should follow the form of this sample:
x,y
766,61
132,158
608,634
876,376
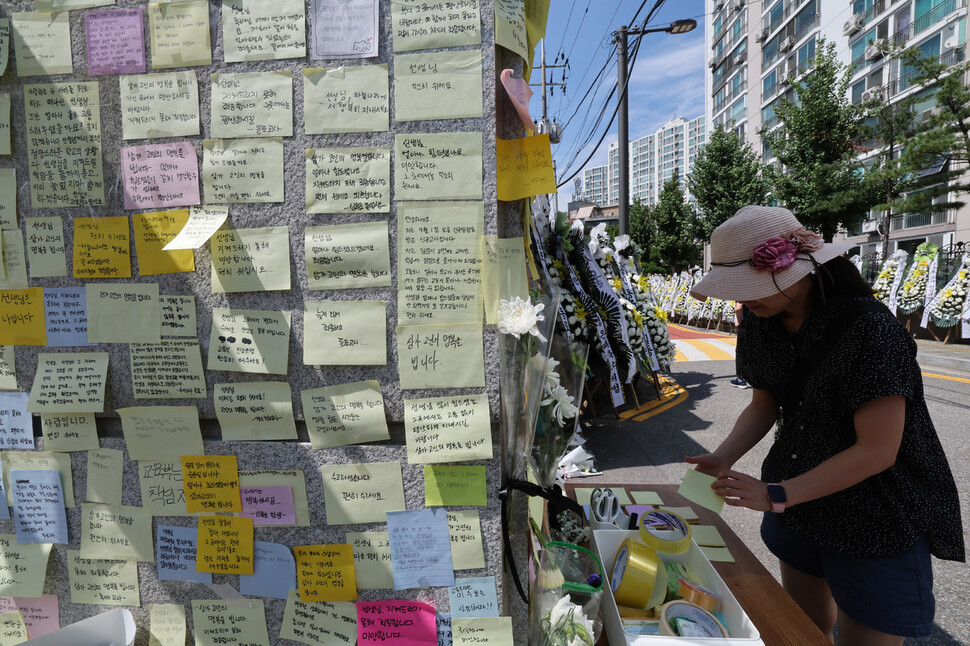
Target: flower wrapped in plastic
x,y
887,282
565,599
921,277
948,305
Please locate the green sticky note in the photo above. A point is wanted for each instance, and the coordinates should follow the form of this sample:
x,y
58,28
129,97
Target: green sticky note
x,y
253,104
239,171
345,256
161,432
348,180
346,99
39,39
465,527
319,622
686,513
707,536
646,498
105,477
717,554
103,581
696,488
345,333
119,532
362,493
24,567
167,624
441,356
438,166
256,30
448,429
249,341
119,313
454,485
344,414
179,34
494,631
438,85
250,260
259,410
372,560
159,105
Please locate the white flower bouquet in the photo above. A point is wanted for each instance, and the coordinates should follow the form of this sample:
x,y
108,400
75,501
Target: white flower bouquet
x,y
912,292
945,309
565,599
888,278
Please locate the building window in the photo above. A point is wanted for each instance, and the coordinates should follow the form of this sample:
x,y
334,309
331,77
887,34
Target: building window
x,y
806,53
859,47
857,90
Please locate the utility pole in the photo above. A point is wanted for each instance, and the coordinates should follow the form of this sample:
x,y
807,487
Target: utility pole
x,y
553,128
623,134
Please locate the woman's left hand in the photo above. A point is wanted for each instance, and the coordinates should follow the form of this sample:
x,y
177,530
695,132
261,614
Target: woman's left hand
x,y
740,490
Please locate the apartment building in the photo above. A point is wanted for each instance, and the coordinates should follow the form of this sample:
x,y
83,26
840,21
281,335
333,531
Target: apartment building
x,y
596,185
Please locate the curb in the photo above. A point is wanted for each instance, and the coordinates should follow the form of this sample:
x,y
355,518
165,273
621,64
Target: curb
x,y
940,361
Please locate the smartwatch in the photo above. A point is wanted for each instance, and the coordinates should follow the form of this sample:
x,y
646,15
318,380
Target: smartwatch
x,y
776,494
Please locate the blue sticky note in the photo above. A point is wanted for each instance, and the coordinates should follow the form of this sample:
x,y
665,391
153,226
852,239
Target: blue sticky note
x,y
474,597
444,628
38,506
67,316
4,510
175,555
274,572
16,424
420,548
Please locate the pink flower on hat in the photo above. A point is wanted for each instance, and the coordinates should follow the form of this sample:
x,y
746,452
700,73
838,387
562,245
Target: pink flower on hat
x,y
773,254
806,241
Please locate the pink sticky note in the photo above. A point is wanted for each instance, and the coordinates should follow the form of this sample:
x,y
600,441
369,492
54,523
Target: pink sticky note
x,y
396,623
40,614
115,41
268,505
160,175
520,93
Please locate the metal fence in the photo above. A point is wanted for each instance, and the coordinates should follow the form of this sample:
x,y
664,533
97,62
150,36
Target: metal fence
x,y
950,257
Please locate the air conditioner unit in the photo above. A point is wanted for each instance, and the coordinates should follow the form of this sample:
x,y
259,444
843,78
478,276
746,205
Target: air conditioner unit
x,y
787,44
712,63
737,5
869,226
951,42
867,96
874,50
718,5
926,115
762,35
875,94
853,24
740,58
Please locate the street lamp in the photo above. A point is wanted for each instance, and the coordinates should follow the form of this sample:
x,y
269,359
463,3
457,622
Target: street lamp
x,y
623,127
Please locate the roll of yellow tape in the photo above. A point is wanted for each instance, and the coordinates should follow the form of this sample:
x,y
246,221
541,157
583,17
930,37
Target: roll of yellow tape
x,y
665,531
700,623
639,576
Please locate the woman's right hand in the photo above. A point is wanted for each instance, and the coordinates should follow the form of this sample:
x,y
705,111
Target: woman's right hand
x,y
710,463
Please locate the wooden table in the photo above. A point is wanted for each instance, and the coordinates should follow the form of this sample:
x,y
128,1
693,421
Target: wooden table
x,y
776,615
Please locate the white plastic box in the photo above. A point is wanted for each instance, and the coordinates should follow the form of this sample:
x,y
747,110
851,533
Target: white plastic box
x,y
606,543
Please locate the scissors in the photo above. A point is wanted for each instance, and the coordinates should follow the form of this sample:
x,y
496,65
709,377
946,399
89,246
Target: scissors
x,y
604,506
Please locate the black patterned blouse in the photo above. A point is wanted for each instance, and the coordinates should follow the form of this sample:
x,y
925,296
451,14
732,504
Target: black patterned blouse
x,y
876,357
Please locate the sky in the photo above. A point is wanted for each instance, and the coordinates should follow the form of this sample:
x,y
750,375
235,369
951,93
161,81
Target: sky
x,y
667,79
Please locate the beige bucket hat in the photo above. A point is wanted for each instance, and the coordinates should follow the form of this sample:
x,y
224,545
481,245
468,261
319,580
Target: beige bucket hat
x,y
759,251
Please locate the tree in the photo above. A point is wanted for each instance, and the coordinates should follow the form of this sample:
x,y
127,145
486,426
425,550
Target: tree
x,y
643,232
675,240
821,179
727,175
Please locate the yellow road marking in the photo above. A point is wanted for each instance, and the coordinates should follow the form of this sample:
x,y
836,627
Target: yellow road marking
x,y
679,356
713,352
947,377
672,394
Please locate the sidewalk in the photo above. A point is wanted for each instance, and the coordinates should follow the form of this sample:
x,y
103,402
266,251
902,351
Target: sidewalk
x,y
947,357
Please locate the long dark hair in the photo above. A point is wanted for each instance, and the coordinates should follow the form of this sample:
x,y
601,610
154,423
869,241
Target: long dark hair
x,y
840,278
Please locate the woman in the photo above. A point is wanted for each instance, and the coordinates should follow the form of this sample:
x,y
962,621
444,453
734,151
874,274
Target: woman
x,y
856,485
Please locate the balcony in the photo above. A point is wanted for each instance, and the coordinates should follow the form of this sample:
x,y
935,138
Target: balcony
x,y
790,9
936,14
901,84
870,14
915,220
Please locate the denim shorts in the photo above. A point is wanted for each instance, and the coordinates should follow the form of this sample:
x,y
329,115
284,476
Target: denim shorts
x,y
892,594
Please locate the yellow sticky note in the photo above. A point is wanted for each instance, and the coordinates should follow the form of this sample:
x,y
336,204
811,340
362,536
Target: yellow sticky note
x,y
372,560
467,551
128,313
438,85
448,429
346,99
236,171
645,498
717,554
707,536
344,414
14,260
119,532
203,222
210,617
250,260
409,18
325,573
348,180
454,485
510,29
24,321
162,489
60,462
345,256
362,493
69,382
46,252
169,368
441,356
258,410
234,113
345,333
686,513
13,630
179,34
152,232
322,622
524,167
100,581
257,31
8,177
8,368
23,568
38,39
225,545
292,478
178,316
161,432
583,495
167,626
211,483
448,166
494,631
503,273
159,105
105,480
696,488
101,248
249,341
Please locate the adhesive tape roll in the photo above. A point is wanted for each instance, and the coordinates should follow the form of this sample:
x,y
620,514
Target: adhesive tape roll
x,y
665,531
698,595
703,623
638,576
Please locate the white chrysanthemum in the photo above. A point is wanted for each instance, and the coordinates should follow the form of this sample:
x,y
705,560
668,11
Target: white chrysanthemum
x,y
563,407
518,317
577,226
548,365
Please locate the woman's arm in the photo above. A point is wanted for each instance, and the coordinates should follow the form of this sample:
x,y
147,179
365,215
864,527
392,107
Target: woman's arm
x,y
752,425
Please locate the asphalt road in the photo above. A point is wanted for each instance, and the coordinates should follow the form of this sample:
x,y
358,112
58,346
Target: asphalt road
x,y
652,451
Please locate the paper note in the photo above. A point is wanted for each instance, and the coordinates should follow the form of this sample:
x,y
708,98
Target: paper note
x,y
124,313
167,626
101,247
69,432
346,99
268,506
14,261
238,171
448,429
170,369
180,34
38,506
438,85
178,315
344,414
250,260
372,560
345,256
260,410
161,432
444,628
473,597
503,273
118,532
396,622
717,554
152,232
454,485
293,479
8,176
441,356
510,30
225,544
255,341
468,631
46,252
64,149
105,480
325,573
253,30
639,497
22,317
344,29
420,548
16,424
39,42
696,487
4,44
439,262
362,493
159,105
345,333
584,494
8,368
13,630
320,622
39,614
255,104
686,513
274,572
31,460
348,180
707,536
162,490
229,623
211,483
441,166
115,41
160,175
69,382
23,568
202,223
524,167
465,527
175,550
422,25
